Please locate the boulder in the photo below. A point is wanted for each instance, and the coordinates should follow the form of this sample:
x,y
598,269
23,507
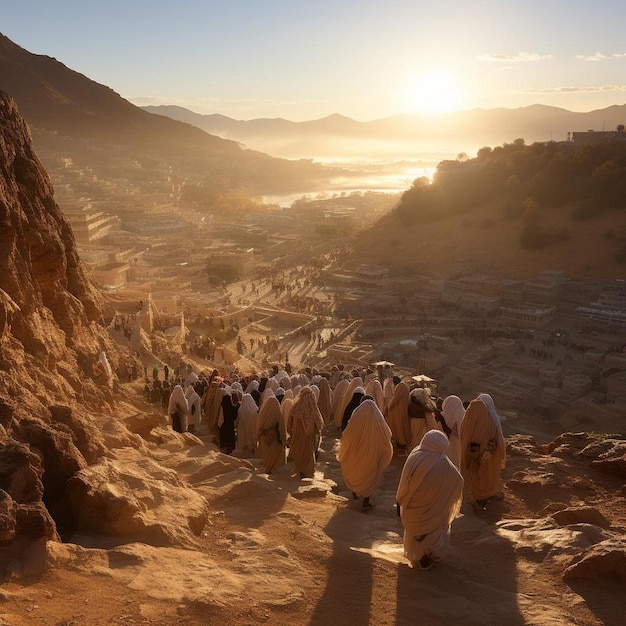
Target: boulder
x,y
612,460
34,522
130,496
20,473
7,517
580,515
542,538
61,458
607,558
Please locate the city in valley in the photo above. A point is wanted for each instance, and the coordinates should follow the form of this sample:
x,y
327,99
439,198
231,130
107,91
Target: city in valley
x,y
274,285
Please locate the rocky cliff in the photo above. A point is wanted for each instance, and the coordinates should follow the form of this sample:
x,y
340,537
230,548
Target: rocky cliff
x,y
50,337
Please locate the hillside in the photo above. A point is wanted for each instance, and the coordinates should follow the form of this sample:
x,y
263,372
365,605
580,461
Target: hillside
x,y
108,516
512,211
73,116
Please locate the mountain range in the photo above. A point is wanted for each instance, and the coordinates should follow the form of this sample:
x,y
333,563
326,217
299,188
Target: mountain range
x,y
401,135
72,115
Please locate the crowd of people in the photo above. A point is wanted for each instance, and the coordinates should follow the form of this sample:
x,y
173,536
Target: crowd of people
x,y
447,446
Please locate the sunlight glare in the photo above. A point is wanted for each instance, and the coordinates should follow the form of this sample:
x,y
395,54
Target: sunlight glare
x,y
434,92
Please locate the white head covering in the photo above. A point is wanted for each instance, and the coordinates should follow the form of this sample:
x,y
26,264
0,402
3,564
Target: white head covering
x,y
316,391
253,385
268,392
487,400
453,412
178,399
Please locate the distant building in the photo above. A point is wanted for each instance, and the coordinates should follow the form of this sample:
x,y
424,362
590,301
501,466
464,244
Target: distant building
x,y
90,224
240,261
545,288
529,315
614,296
112,275
594,137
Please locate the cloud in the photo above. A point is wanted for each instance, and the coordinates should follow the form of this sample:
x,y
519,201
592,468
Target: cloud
x,y
588,89
599,56
520,57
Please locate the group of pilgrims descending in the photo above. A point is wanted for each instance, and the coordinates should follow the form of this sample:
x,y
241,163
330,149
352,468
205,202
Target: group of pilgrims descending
x,y
278,418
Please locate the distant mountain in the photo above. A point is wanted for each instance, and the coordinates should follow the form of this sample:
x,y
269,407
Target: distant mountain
x,y
70,113
53,97
402,135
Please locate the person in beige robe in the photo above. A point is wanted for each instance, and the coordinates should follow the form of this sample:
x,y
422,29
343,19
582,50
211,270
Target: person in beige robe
x,y
430,493
365,451
375,389
338,392
421,411
482,453
271,435
285,406
355,382
304,427
324,402
388,388
453,411
398,417
211,402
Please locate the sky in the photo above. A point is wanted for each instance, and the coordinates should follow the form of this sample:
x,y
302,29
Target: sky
x,y
306,59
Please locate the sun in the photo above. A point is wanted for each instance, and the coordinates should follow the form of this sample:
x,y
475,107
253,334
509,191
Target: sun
x,y
434,92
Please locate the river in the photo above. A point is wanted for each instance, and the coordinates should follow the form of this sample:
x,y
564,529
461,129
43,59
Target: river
x,y
379,176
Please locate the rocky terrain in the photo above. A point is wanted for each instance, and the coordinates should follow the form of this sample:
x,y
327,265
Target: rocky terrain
x,y
109,517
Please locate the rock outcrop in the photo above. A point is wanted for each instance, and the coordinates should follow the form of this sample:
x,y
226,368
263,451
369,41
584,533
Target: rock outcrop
x,y
50,339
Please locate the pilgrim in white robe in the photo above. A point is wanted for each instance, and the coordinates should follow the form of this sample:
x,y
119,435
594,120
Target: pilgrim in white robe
x,y
246,425
429,494
453,411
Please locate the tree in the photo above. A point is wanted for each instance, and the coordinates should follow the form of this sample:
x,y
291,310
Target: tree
x,y
620,128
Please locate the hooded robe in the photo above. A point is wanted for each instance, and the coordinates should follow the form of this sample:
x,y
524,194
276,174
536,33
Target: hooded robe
x,y
429,494
271,434
453,410
305,425
398,416
325,401
247,425
178,409
365,450
482,451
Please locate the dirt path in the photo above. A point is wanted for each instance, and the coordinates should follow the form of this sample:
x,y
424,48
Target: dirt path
x,y
280,550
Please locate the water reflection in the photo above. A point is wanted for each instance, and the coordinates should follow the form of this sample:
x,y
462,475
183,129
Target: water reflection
x,y
361,176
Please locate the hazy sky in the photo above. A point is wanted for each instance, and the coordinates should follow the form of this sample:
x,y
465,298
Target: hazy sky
x,y
366,59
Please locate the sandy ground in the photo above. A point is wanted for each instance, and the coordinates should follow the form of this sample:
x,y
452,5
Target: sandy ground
x,y
280,550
